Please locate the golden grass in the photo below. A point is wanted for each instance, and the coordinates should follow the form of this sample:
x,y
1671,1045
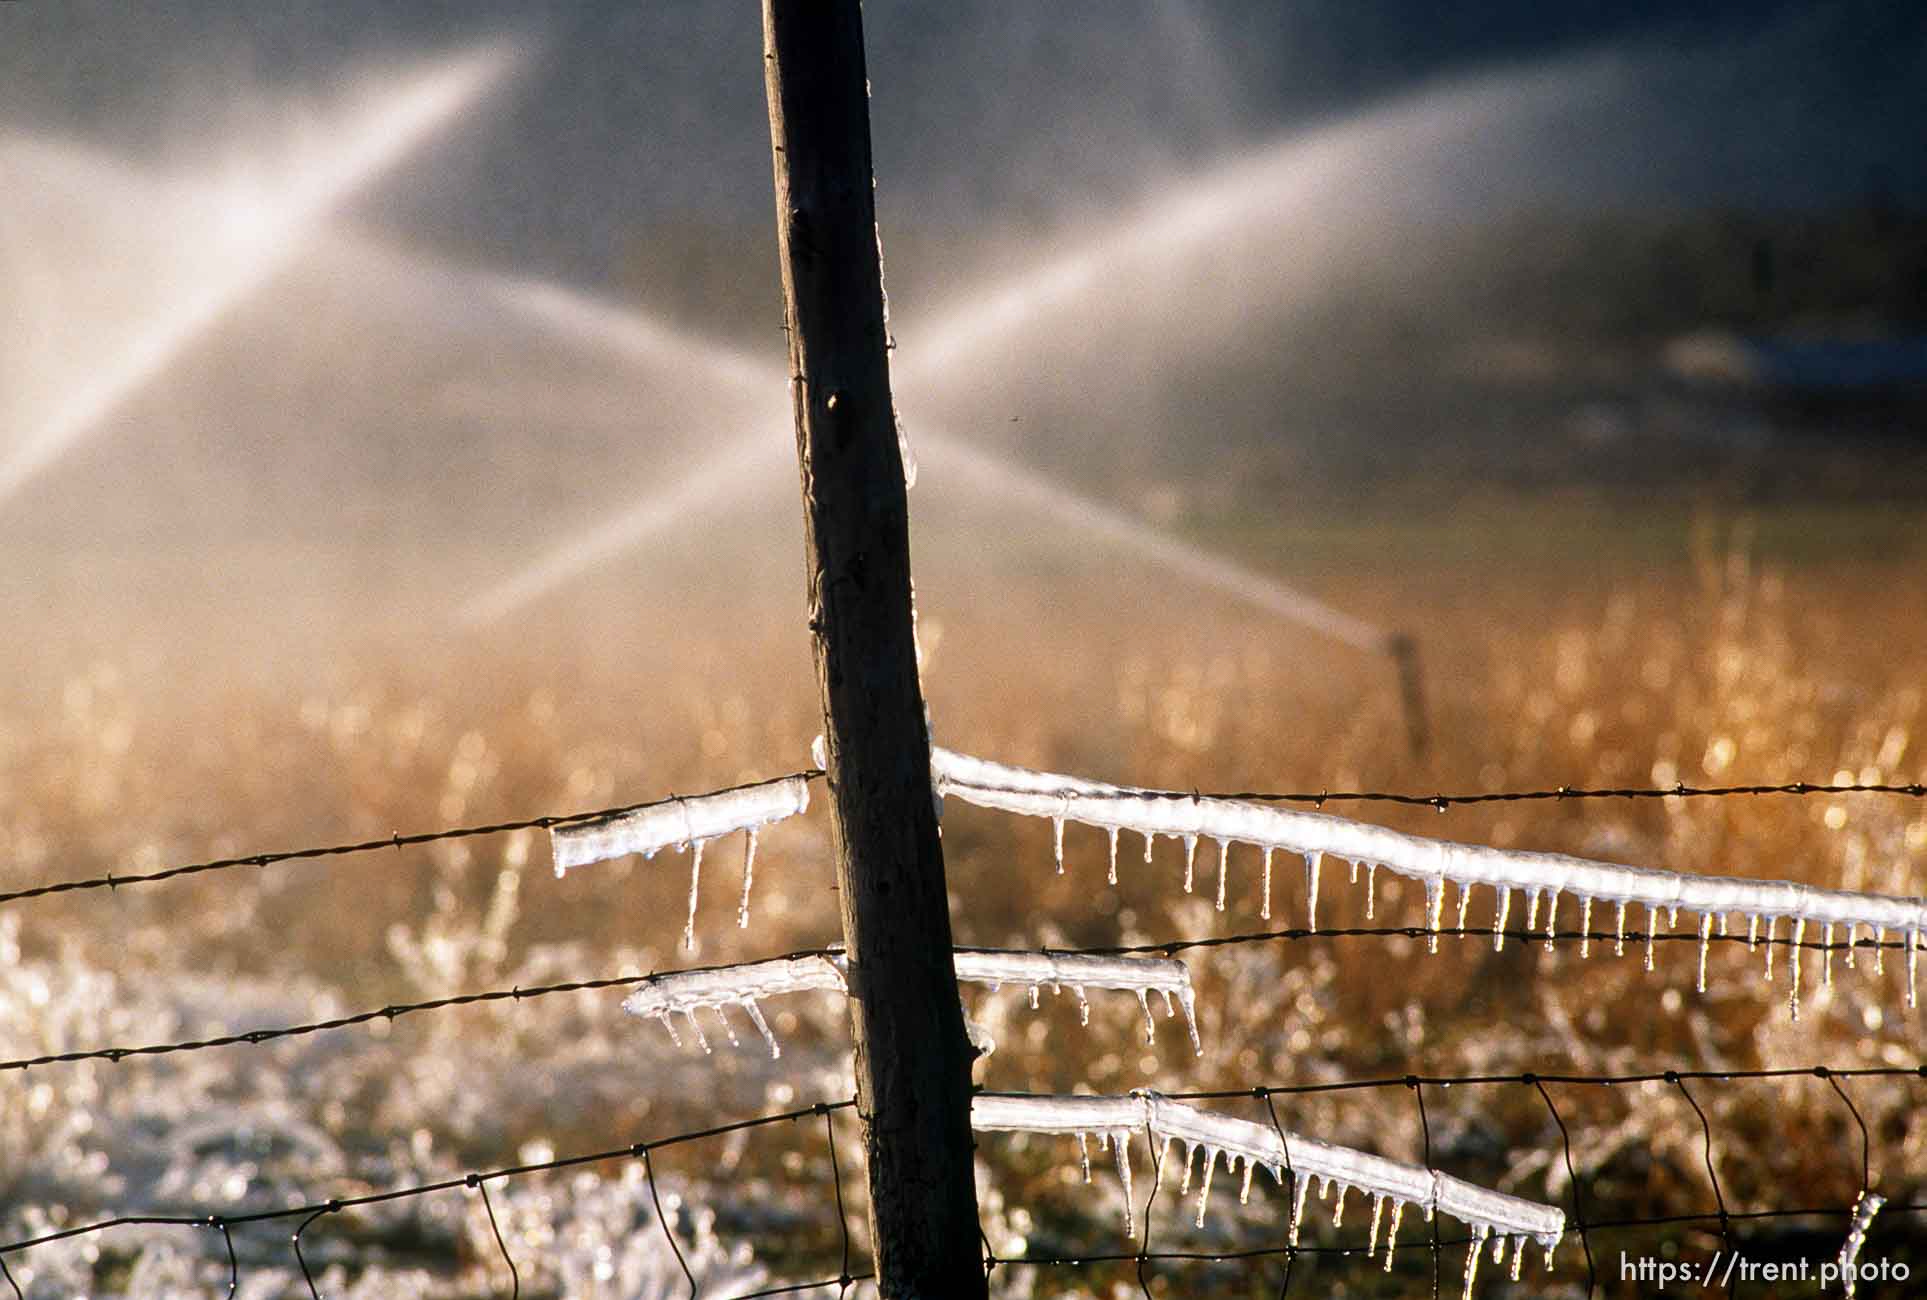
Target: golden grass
x,y
1719,669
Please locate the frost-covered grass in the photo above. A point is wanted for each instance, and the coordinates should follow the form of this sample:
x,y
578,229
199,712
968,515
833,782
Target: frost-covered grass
x,y
1709,672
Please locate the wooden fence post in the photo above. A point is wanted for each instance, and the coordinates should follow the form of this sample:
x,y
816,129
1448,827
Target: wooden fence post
x,y
912,1057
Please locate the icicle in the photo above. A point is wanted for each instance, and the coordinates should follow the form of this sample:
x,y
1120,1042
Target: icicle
x,y
1706,933
1378,1214
1880,950
1190,860
1264,909
1354,879
1434,905
1084,1157
1853,930
729,1031
1338,1207
1672,917
1163,1162
695,879
1312,862
1224,862
1150,1021
1121,1148
1465,902
1722,925
1083,1005
1057,842
1793,961
1391,1232
1552,917
1864,1209
1111,833
689,1014
1532,910
1585,928
1913,953
1033,996
1772,923
749,874
1752,931
1518,1256
1619,930
1371,889
1498,923
756,1018
1190,1019
1244,1188
1204,1184
1479,1231
1826,959
670,1025
1652,929
1149,839
1298,1194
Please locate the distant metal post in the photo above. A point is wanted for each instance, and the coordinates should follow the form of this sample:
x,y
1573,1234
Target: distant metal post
x,y
1403,647
912,1058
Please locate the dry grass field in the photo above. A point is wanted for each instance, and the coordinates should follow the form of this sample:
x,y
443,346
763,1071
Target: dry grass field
x,y
1565,645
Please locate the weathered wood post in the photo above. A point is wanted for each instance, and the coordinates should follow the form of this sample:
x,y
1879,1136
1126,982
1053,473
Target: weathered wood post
x,y
912,1058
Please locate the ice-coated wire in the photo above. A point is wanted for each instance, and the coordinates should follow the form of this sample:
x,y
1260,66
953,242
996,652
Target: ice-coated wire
x,y
114,881
679,820
111,881
744,985
1864,1209
1434,862
1164,1120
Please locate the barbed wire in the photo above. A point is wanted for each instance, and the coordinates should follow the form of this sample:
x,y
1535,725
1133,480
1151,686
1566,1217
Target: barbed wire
x,y
1578,1221
397,840
1169,948
388,1013
1440,802
317,1209
313,1210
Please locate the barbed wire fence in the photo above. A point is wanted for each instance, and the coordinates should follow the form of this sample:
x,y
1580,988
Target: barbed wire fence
x,y
1581,1221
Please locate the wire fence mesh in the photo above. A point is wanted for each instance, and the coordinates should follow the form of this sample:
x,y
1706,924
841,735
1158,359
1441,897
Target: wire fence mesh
x,y
1586,1220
